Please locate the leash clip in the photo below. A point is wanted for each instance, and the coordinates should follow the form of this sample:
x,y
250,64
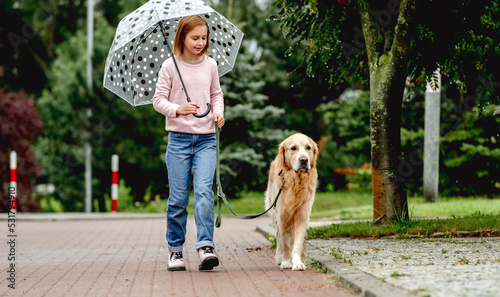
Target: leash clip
x,y
282,179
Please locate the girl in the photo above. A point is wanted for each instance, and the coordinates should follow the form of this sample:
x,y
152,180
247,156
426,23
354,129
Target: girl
x,y
191,140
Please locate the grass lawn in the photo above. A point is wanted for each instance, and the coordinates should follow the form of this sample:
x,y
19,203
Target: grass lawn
x,y
476,224
449,217
354,205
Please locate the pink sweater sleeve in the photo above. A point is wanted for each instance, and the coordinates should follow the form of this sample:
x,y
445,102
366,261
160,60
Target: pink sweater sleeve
x,y
216,95
163,88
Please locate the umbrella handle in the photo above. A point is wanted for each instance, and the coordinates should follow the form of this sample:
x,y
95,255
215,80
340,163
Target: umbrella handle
x,y
199,115
203,114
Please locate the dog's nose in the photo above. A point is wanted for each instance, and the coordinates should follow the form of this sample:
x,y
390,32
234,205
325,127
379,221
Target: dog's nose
x,y
303,160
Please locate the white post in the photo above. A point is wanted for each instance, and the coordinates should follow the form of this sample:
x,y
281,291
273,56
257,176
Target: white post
x,y
431,140
88,147
13,182
88,177
114,183
90,41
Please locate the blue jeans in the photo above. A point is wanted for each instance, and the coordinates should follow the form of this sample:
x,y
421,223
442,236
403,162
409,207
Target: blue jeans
x,y
186,152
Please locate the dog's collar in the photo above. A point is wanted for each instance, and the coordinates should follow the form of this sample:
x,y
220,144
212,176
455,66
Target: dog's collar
x,y
296,171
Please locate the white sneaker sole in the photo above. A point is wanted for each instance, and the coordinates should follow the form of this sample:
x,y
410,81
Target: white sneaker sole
x,y
180,268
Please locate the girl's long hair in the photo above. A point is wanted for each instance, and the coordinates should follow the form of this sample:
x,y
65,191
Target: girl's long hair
x,y
186,25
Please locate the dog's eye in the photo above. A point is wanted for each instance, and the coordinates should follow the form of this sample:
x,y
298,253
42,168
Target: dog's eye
x,y
293,148
308,147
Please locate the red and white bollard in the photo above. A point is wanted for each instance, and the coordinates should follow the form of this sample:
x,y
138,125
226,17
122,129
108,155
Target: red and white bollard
x,y
13,182
114,183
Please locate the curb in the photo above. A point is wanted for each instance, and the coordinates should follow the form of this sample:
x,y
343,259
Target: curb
x,y
363,283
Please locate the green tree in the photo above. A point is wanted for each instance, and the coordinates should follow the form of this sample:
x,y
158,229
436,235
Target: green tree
x,y
29,34
253,131
62,107
114,127
255,124
382,43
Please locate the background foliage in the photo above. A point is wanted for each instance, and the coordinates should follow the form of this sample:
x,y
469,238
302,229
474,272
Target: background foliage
x,y
469,151
272,92
20,123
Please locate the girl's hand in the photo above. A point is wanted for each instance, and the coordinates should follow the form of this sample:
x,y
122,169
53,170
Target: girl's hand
x,y
190,108
220,119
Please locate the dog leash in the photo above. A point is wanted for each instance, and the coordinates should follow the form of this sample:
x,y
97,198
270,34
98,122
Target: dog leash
x,y
222,197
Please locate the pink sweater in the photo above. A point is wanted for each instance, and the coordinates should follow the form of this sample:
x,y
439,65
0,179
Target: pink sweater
x,y
202,83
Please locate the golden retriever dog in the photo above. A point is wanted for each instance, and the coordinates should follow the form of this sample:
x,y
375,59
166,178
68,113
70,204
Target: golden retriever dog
x,y
293,170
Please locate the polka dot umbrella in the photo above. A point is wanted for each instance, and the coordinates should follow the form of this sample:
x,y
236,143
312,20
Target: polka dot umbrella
x,y
144,39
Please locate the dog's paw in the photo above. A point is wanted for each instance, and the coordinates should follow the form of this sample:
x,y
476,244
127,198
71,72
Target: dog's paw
x,y
299,266
297,263
279,258
286,264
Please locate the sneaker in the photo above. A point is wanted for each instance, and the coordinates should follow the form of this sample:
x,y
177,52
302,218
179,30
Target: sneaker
x,y
208,259
175,261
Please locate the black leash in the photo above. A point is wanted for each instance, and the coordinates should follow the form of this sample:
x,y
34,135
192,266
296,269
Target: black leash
x,y
222,197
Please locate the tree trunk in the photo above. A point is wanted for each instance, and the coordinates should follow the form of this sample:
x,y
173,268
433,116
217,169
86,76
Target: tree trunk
x,y
387,76
389,196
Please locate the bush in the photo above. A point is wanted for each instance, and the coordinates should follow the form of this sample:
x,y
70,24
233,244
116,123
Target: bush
x,y
125,199
50,204
471,156
347,144
361,181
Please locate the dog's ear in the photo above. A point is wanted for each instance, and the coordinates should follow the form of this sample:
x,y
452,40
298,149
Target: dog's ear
x,y
281,155
315,154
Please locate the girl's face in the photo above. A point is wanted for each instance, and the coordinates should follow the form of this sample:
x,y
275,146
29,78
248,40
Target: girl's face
x,y
194,43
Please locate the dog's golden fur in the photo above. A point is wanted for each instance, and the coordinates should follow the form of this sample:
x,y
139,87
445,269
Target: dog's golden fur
x,y
296,161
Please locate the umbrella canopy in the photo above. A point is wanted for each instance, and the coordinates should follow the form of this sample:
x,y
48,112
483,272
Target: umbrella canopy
x,y
140,46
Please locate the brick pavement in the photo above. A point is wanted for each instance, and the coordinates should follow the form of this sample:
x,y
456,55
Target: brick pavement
x,y
127,257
